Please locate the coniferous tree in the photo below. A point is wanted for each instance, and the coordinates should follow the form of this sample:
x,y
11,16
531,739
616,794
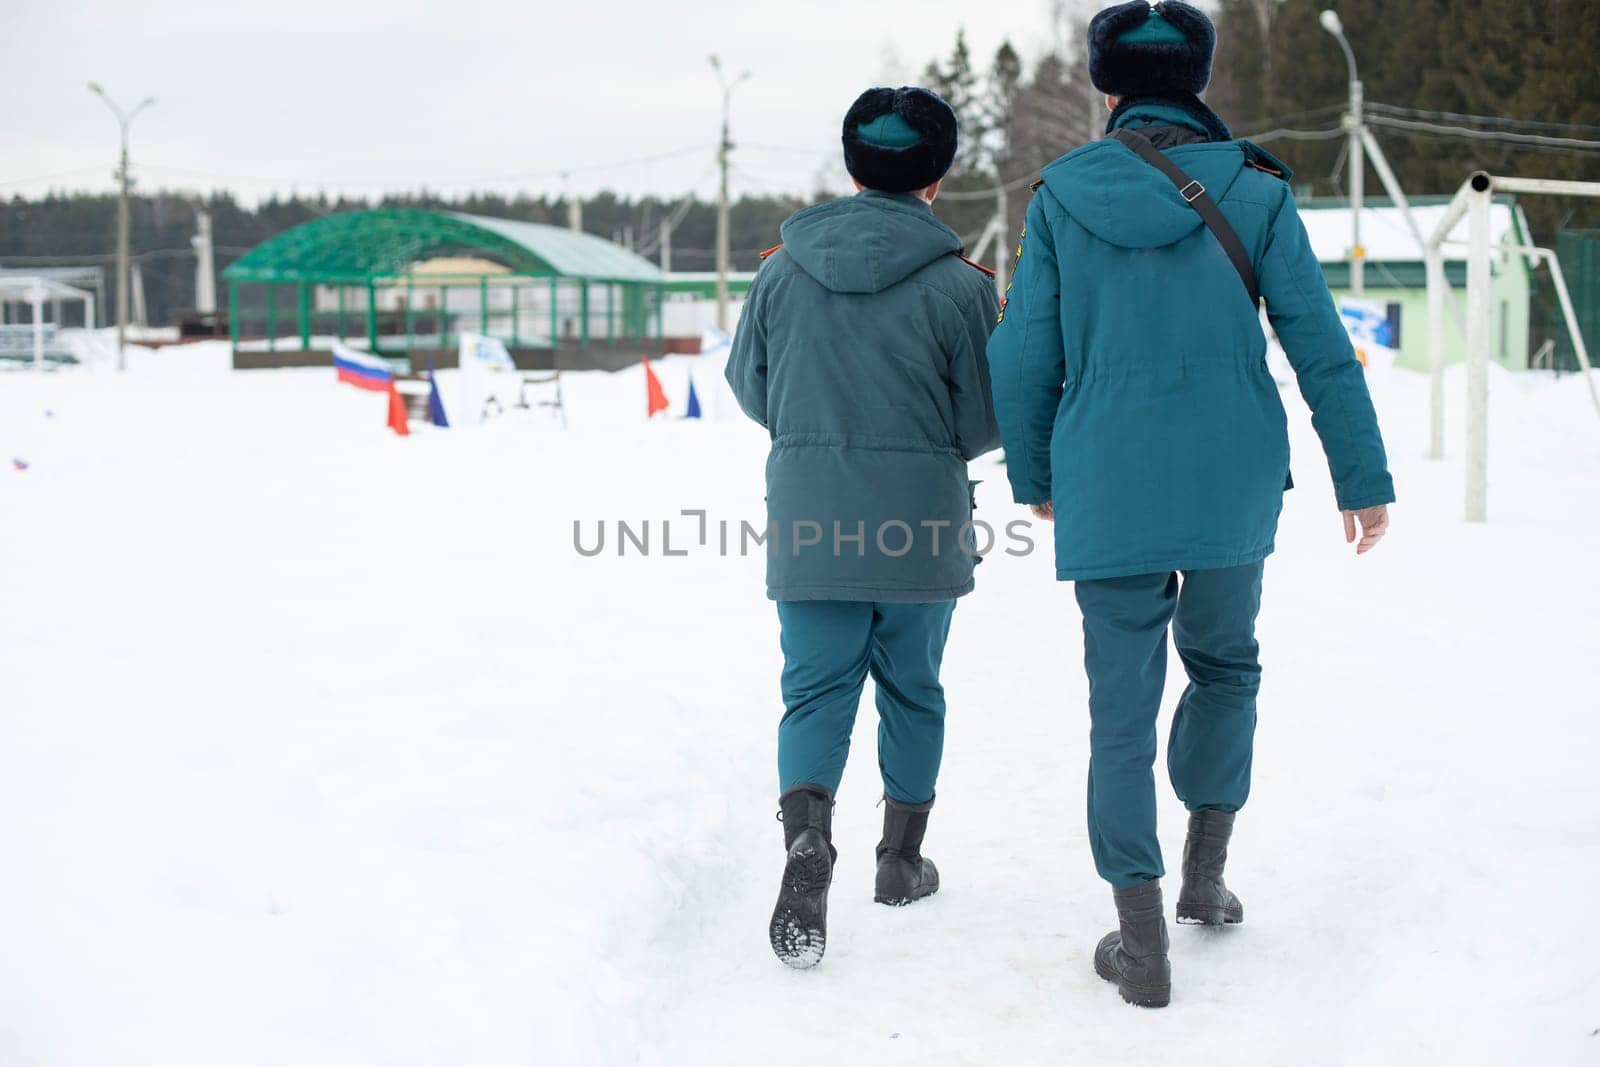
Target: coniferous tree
x,y
1000,101
955,80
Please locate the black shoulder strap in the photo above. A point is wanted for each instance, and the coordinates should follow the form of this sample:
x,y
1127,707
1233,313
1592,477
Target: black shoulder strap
x,y
1196,196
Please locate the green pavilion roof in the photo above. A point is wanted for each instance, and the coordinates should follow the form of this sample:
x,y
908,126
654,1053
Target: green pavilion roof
x,y
360,246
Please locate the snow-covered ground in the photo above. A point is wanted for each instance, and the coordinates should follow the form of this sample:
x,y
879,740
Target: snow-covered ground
x,y
320,746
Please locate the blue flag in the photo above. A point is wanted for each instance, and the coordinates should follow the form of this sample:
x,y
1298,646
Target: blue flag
x,y
693,410
435,404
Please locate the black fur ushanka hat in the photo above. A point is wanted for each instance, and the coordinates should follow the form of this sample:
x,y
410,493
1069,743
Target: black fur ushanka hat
x,y
1139,50
899,140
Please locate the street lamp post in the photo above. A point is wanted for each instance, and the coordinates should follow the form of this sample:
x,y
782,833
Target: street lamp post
x,y
1354,121
124,120
723,148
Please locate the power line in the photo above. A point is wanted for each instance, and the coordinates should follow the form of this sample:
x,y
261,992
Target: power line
x,y
988,194
652,244
1298,116
1533,139
708,253
785,148
1268,136
1483,120
764,181
48,177
556,172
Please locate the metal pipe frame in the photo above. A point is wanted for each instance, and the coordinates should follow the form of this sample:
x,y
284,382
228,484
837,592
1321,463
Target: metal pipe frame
x,y
1473,200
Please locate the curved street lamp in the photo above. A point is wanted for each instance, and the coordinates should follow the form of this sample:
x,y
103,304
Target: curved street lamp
x,y
1358,160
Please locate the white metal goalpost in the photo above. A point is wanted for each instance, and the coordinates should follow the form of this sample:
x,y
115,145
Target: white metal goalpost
x,y
1473,200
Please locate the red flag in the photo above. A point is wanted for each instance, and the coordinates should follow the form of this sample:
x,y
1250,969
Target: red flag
x,y
397,412
657,397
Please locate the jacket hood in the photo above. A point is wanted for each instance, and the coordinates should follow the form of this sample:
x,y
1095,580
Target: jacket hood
x,y
868,242
1121,199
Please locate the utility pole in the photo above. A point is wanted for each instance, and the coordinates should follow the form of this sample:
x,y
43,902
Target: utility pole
x,y
124,120
1355,124
666,245
723,148
574,207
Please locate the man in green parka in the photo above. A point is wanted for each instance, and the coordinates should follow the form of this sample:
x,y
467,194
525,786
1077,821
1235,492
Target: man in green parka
x,y
1138,414
861,350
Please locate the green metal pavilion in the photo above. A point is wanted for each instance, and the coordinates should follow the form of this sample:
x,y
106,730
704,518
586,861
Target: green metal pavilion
x,y
355,276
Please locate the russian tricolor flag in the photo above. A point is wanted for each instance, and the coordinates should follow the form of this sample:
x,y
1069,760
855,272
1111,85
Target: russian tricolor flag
x,y
362,370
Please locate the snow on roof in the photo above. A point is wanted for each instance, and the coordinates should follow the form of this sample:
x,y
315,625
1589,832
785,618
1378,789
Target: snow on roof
x,y
570,252
31,286
72,275
1388,238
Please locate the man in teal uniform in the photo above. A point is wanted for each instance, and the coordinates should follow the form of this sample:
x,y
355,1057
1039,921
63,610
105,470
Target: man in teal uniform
x,y
1138,414
861,350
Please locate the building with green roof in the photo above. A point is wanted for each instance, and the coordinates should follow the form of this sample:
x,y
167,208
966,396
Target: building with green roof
x,y
359,277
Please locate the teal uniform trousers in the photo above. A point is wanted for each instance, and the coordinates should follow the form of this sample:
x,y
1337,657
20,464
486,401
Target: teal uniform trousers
x,y
1212,616
830,647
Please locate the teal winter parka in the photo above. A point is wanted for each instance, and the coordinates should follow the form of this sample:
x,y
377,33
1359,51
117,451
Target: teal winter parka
x,y
1129,367
861,350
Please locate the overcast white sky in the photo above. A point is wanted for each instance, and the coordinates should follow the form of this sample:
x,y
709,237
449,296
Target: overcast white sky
x,y
359,96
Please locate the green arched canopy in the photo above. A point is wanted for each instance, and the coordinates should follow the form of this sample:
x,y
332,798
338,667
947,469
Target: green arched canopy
x,y
575,285
360,246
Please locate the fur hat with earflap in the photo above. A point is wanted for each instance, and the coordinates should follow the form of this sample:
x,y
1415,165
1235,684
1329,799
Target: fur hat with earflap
x,y
899,140
1139,49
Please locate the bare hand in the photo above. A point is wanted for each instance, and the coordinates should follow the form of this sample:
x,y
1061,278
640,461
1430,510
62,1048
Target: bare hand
x,y
1045,512
1374,524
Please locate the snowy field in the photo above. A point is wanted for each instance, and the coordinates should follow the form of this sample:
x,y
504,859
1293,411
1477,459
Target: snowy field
x,y
320,746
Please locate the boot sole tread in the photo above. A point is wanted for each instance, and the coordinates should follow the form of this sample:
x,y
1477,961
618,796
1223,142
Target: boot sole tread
x,y
798,930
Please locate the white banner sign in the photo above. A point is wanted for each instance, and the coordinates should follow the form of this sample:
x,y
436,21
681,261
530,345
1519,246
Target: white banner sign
x,y
481,359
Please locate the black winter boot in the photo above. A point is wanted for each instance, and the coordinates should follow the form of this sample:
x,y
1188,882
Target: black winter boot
x,y
1204,898
1135,955
903,874
799,927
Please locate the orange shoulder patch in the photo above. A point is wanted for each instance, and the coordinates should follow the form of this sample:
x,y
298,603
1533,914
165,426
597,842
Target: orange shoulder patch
x,y
771,251
974,263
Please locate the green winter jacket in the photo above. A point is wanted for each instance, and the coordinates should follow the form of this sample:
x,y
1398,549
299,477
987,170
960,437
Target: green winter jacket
x,y
861,350
1130,374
